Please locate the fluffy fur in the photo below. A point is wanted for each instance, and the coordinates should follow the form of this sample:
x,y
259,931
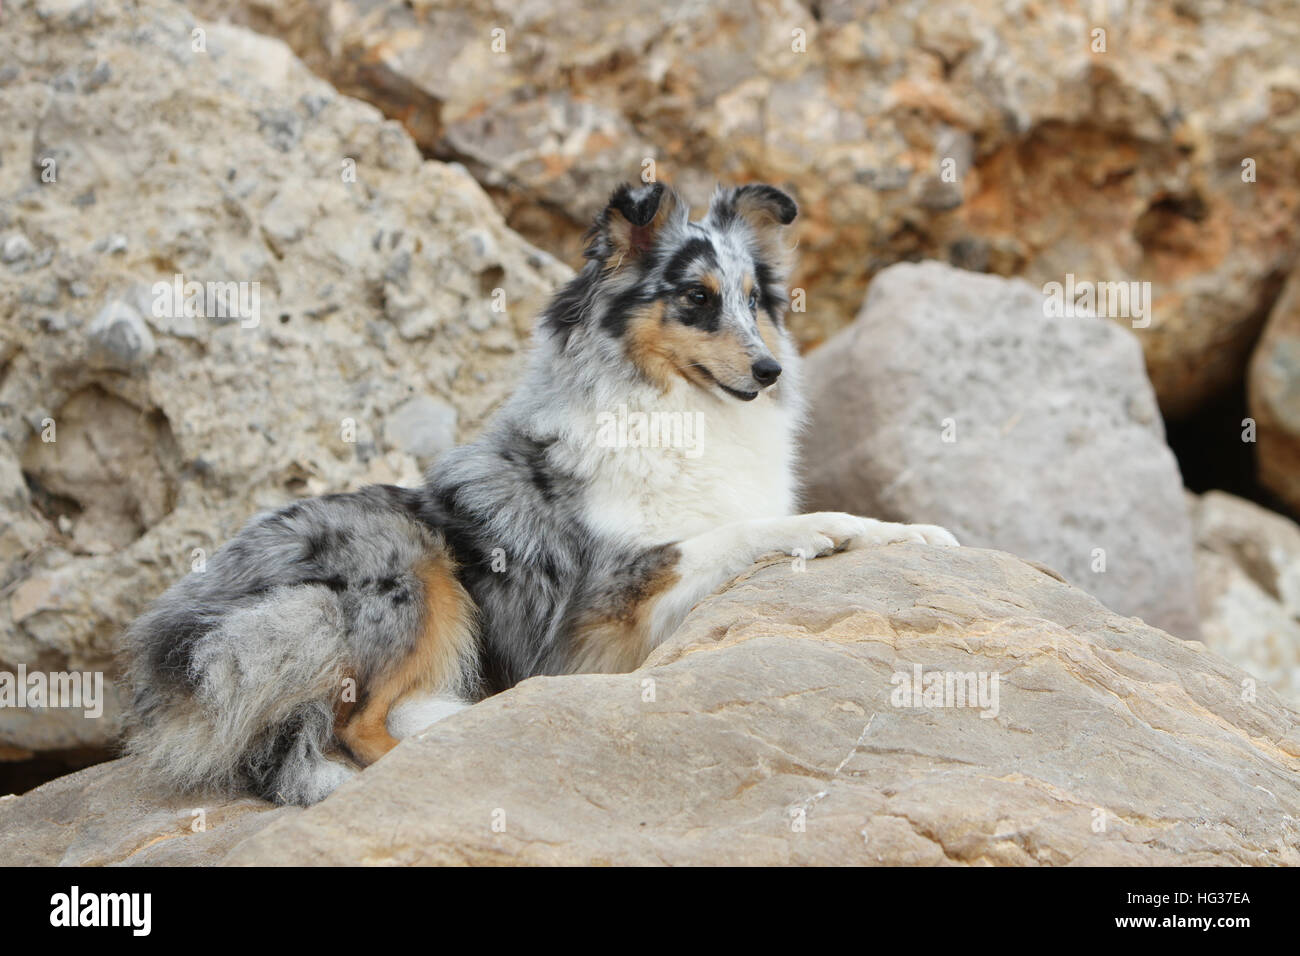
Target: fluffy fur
x,y
537,549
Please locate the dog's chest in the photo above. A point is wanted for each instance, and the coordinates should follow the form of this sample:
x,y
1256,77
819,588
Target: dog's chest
x,y
691,469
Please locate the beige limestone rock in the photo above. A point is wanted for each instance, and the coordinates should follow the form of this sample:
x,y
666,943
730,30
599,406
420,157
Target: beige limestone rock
x,y
763,732
1005,137
766,731
134,440
101,816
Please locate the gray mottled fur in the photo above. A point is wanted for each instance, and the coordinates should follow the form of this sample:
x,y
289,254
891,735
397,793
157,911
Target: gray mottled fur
x,y
236,670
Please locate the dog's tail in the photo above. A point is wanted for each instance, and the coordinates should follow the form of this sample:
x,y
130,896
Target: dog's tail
x,y
257,709
274,669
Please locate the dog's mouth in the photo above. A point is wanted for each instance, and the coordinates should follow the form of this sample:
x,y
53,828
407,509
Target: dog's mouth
x,y
744,396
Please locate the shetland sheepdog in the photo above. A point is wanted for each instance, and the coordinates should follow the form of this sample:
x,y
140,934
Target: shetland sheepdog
x,y
561,541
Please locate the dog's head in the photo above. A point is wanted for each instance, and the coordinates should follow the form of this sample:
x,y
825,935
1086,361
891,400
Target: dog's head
x,y
701,301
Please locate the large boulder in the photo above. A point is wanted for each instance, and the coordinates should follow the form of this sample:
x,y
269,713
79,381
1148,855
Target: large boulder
x,y
955,400
1119,142
1274,397
140,145
1248,576
772,729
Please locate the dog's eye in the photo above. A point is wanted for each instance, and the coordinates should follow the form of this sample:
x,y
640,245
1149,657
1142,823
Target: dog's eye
x,y
697,296
753,301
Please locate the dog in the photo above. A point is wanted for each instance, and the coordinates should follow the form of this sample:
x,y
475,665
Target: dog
x,y
328,629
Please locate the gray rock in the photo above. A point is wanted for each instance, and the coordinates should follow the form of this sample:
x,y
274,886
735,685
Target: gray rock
x,y
16,248
112,245
423,427
120,337
477,250
1248,576
1274,396
283,128
66,13
954,400
97,77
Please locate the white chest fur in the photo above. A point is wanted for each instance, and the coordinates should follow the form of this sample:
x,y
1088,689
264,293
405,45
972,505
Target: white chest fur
x,y
677,465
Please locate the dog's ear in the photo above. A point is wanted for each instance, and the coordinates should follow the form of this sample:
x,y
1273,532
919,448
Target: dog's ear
x,y
763,206
766,210
631,223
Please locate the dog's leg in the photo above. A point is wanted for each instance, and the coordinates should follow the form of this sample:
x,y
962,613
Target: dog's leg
x,y
366,735
710,560
435,662
642,604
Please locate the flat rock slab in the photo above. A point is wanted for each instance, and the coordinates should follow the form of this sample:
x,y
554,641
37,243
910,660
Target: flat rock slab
x,y
764,733
102,816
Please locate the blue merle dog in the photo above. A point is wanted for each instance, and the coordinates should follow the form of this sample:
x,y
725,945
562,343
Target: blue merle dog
x,y
328,629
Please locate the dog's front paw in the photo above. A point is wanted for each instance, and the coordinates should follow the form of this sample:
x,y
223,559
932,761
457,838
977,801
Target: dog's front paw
x,y
888,532
808,536
826,532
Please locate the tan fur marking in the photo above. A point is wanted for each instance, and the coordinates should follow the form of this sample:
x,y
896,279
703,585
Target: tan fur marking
x,y
614,639
446,635
657,348
711,282
667,350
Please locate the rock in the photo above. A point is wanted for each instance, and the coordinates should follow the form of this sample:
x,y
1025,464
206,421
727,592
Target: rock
x,y
423,427
231,254
21,531
954,400
1248,575
771,729
1274,397
103,816
1012,138
16,248
120,338
112,245
111,470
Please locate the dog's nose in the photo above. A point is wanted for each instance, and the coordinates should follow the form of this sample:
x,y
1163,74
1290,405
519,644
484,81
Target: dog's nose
x,y
765,371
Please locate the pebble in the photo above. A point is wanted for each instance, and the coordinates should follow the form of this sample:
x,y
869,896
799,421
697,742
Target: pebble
x,y
120,337
100,75
16,248
112,245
